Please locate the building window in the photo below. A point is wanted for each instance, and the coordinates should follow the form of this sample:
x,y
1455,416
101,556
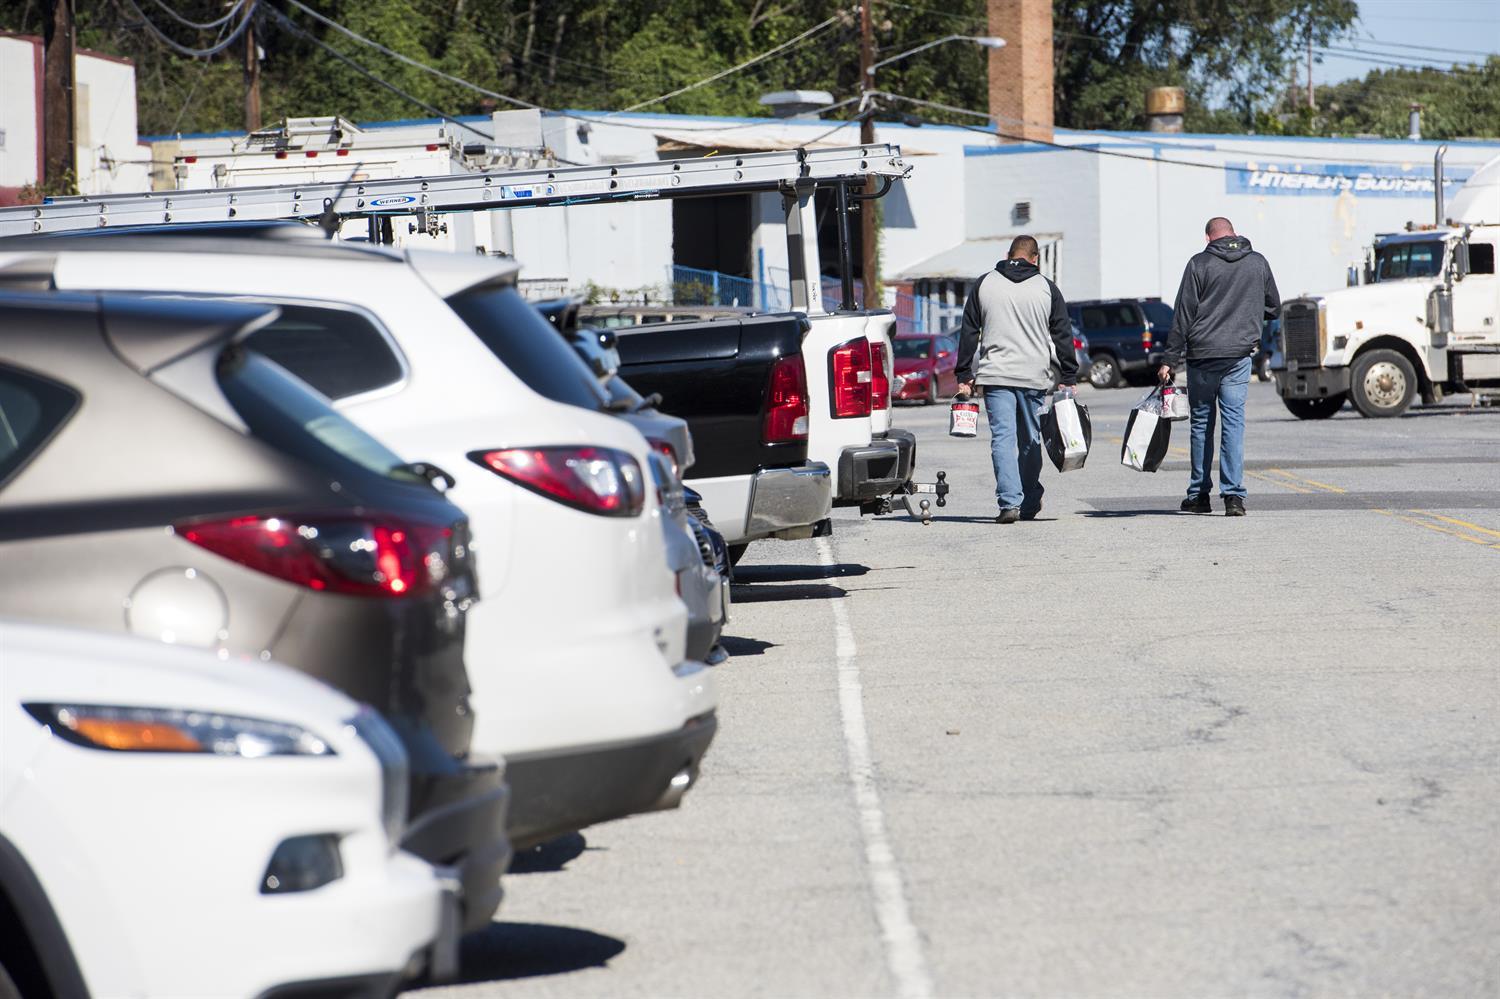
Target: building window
x,y
1020,213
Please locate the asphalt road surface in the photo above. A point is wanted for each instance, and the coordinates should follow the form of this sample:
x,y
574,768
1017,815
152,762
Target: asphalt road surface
x,y
1119,751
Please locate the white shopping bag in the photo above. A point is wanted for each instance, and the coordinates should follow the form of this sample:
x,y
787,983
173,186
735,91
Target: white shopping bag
x,y
1066,432
1147,437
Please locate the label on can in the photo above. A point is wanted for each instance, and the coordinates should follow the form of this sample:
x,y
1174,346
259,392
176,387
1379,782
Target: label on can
x,y
963,419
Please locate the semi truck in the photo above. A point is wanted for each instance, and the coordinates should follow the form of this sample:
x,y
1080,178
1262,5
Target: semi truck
x,y
1420,320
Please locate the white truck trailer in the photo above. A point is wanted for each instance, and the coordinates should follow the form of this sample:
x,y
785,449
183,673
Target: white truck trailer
x,y
1421,321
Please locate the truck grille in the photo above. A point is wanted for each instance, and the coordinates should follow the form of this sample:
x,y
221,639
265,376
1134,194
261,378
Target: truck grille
x,y
1299,334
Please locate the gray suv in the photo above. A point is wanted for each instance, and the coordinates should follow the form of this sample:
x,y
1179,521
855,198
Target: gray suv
x,y
158,478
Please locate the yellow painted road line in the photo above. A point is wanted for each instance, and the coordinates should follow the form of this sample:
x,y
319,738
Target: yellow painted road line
x,y
1441,530
1458,523
1308,482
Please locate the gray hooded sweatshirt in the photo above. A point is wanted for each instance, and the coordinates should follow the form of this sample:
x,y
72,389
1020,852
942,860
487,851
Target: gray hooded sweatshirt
x,y
1016,332
1227,292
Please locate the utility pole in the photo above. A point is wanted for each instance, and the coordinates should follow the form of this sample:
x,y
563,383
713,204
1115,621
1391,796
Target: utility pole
x,y
59,159
252,77
1311,104
869,239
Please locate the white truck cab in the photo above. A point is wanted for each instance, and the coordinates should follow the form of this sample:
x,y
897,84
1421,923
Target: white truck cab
x,y
1424,322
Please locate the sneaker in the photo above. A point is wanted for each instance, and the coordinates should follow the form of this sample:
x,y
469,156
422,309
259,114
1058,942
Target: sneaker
x,y
1008,516
1196,504
1234,506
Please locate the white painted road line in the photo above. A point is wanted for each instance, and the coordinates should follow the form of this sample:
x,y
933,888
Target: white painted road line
x,y
903,945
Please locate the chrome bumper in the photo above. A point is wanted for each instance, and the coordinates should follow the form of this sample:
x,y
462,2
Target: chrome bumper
x,y
783,499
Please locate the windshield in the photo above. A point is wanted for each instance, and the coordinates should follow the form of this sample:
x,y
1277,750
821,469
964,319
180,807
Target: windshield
x,y
918,349
528,345
1395,261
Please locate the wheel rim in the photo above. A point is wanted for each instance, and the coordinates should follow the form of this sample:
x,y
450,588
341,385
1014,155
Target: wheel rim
x,y
1385,385
1102,372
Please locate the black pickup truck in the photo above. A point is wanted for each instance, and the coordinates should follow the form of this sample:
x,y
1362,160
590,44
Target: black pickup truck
x,y
742,387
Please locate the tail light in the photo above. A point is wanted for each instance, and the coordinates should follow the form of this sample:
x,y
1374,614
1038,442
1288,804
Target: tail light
x,y
369,556
880,382
668,454
1146,338
1077,343
786,402
597,480
849,376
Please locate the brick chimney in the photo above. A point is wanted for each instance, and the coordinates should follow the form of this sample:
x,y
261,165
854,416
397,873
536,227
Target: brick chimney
x,y
1021,73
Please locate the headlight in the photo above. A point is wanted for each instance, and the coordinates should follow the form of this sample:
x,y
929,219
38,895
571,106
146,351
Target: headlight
x,y
171,730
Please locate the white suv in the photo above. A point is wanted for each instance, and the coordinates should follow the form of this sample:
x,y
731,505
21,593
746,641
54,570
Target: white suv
x,y
173,824
576,649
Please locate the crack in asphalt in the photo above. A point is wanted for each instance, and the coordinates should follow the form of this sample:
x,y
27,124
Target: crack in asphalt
x,y
1203,696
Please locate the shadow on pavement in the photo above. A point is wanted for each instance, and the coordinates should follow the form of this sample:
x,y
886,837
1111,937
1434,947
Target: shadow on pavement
x,y
1144,512
764,593
549,857
507,951
793,573
744,646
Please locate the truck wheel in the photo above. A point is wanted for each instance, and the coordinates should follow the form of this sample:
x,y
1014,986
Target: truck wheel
x,y
1105,372
736,552
1382,383
1315,409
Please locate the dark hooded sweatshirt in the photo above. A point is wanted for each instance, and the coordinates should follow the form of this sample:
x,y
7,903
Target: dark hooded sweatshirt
x,y
1015,331
1227,293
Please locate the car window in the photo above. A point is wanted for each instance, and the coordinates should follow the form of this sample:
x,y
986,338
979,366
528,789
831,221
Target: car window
x,y
1395,261
31,411
339,352
1122,315
1093,319
528,345
1481,258
948,344
911,348
283,411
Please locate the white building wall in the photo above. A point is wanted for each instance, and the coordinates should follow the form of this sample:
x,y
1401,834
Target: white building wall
x,y
1064,193
20,118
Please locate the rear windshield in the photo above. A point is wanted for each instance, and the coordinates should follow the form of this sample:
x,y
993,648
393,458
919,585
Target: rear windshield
x,y
286,413
912,348
528,345
1158,314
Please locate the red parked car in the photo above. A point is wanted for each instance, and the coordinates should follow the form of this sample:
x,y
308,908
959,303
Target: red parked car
x,y
924,366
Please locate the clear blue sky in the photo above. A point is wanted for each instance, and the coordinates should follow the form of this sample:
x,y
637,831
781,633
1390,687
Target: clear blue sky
x,y
1390,30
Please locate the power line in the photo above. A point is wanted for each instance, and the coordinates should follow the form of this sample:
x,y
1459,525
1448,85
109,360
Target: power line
x,y
1424,48
187,50
206,26
1354,56
809,33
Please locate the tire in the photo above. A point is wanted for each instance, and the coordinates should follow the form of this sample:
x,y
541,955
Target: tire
x,y
1315,409
1263,367
932,391
1104,372
1382,383
737,552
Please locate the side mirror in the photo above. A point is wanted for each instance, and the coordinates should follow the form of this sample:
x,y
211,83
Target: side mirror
x,y
1460,260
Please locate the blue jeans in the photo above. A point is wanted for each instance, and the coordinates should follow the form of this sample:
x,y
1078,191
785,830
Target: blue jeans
x,y
1016,445
1222,383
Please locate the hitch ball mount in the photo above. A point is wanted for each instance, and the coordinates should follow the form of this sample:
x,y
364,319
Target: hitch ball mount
x,y
907,497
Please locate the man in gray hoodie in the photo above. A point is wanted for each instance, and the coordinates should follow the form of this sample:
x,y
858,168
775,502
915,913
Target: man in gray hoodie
x,y
1227,292
1015,343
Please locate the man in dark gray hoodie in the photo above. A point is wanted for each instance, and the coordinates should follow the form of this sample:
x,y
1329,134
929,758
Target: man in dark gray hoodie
x,y
1015,343
1227,292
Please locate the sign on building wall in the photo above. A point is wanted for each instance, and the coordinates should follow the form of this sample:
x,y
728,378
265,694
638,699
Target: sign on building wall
x,y
1332,179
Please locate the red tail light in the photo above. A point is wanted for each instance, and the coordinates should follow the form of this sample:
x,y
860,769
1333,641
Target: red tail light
x,y
1077,343
786,402
592,479
849,371
369,556
880,382
1146,338
664,448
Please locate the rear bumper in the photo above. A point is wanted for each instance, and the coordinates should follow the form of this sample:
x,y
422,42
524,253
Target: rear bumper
x,y
562,791
1312,383
870,470
784,499
462,827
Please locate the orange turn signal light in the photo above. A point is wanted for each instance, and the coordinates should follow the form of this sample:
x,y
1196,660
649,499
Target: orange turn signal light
x,y
119,733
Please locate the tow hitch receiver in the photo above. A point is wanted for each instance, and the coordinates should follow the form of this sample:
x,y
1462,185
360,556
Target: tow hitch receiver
x,y
907,496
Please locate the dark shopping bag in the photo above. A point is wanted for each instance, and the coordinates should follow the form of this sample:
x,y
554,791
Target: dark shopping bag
x,y
1147,437
1066,432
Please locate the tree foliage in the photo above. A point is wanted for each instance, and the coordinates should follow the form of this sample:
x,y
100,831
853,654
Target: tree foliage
x,y
1234,57
1456,103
